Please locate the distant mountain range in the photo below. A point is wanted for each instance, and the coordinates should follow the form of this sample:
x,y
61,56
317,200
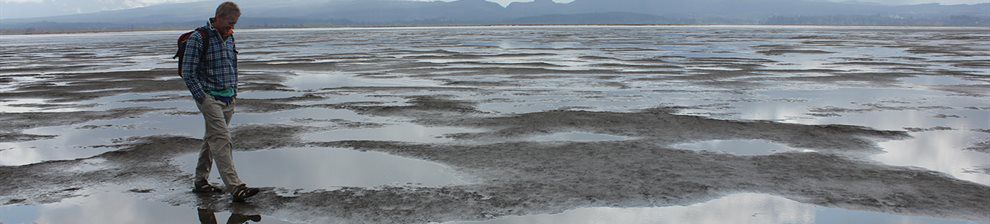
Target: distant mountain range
x,y
304,13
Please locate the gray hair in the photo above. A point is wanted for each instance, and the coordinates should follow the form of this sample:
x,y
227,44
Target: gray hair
x,y
228,9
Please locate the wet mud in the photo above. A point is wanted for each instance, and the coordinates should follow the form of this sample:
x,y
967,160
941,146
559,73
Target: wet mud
x,y
545,121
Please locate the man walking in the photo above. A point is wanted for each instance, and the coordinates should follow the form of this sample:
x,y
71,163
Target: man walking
x,y
213,83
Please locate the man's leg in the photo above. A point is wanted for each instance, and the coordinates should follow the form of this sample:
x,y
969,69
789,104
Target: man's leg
x,y
217,115
205,162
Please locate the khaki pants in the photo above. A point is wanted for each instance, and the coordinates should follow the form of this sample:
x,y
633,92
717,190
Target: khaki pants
x,y
217,144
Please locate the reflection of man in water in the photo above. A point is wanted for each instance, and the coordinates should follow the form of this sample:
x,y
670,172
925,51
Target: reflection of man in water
x,y
206,216
213,83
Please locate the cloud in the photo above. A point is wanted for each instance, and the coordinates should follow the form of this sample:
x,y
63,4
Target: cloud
x,y
22,1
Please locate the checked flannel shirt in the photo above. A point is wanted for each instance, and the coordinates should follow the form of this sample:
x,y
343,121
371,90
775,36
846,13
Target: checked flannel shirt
x,y
221,72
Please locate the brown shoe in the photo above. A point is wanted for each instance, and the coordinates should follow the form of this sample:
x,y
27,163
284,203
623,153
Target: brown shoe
x,y
202,186
243,192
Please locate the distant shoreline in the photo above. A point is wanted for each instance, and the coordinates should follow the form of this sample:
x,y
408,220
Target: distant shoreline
x,y
20,32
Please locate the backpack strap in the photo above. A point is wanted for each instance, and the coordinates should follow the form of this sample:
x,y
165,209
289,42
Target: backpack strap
x,y
205,34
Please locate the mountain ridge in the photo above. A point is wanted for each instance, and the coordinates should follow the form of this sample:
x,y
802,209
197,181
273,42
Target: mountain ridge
x,y
481,12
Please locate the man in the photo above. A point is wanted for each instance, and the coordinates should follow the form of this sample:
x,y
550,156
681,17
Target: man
x,y
213,84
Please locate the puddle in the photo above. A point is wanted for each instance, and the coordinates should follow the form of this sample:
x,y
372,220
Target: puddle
x,y
576,136
878,108
401,132
317,81
301,116
329,168
736,208
942,151
742,147
118,208
91,138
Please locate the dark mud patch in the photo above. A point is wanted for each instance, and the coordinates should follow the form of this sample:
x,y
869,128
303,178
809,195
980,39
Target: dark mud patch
x,y
84,86
792,51
598,58
637,66
878,79
983,147
966,90
142,191
491,64
664,127
14,201
21,121
421,107
939,128
303,66
972,64
878,63
944,116
945,50
873,107
482,83
396,90
264,105
257,137
20,137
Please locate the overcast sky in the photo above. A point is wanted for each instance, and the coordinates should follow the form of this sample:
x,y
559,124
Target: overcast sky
x,y
41,8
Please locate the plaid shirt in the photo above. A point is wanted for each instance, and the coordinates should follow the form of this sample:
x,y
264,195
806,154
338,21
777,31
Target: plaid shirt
x,y
221,74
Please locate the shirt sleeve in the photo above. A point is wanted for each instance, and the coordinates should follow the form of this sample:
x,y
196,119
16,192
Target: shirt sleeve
x,y
190,66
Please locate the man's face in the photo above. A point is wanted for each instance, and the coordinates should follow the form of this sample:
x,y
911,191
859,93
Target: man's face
x,y
225,25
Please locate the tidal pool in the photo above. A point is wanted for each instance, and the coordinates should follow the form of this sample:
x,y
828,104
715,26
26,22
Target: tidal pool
x,y
739,208
332,168
110,207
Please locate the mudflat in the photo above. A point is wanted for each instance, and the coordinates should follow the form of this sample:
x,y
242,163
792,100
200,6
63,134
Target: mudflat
x,y
513,125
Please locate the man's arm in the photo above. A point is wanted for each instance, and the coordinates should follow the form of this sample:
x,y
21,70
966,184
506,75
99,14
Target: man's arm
x,y
190,66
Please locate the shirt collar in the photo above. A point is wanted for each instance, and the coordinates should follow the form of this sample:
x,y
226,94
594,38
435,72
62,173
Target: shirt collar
x,y
209,24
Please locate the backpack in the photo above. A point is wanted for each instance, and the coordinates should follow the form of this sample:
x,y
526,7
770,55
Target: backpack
x,y
181,52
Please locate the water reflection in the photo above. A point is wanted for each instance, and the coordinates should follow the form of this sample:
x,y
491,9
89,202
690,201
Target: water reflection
x,y
207,216
942,151
737,208
329,168
890,109
122,208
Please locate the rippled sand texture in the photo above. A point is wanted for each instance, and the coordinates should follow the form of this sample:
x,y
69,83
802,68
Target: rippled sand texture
x,y
514,125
